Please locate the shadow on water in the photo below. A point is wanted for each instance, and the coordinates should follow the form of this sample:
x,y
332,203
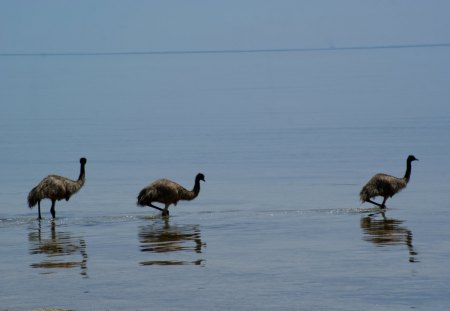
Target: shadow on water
x,y
58,248
387,232
162,238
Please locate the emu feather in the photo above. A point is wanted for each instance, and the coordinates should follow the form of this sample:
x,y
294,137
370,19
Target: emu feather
x,y
56,188
385,185
168,192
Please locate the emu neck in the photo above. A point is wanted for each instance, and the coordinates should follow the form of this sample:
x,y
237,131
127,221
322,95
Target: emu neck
x,y
82,173
196,189
408,171
192,194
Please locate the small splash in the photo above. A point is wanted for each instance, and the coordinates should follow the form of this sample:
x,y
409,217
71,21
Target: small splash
x,y
16,221
53,309
350,210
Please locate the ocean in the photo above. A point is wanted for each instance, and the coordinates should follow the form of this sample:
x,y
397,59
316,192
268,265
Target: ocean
x,y
286,141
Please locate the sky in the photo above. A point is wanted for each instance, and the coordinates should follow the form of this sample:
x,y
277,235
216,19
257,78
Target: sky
x,y
136,26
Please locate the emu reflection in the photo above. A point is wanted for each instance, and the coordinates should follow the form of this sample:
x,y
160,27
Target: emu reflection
x,y
58,249
161,238
388,231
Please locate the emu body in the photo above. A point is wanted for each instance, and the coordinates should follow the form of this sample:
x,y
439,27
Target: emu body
x,y
385,185
168,192
56,188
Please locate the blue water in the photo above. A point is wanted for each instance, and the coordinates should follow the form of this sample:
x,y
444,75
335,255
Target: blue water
x,y
285,140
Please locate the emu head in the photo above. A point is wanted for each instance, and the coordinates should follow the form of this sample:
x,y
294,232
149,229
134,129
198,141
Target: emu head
x,y
412,158
199,177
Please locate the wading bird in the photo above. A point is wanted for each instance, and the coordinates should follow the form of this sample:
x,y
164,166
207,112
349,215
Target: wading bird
x,y
167,192
56,188
385,185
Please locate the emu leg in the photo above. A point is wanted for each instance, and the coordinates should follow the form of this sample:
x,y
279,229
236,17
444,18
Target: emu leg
x,y
384,201
52,209
165,211
158,208
39,210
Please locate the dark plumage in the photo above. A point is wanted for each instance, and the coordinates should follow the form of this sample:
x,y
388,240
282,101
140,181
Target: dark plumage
x,y
385,185
56,188
167,192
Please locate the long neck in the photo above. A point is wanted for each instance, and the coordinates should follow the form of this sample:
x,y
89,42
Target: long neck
x,y
190,195
408,171
196,189
82,173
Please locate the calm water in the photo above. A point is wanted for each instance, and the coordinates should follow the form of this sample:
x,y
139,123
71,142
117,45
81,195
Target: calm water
x,y
285,141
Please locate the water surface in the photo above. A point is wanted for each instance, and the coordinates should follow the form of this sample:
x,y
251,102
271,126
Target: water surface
x,y
285,141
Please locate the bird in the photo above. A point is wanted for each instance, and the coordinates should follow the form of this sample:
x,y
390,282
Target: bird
x,y
385,185
56,188
168,192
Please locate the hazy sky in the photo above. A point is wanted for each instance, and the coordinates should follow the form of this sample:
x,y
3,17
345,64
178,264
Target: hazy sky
x,y
109,25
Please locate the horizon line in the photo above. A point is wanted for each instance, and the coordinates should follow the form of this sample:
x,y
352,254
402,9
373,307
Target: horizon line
x,y
231,51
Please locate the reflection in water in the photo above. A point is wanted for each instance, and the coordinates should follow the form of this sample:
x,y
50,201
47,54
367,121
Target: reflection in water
x,y
388,231
161,238
58,248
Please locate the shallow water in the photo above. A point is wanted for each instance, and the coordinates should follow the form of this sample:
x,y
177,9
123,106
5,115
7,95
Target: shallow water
x,y
285,141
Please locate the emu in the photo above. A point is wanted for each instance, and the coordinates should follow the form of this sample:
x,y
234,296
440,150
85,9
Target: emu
x,y
385,185
168,192
56,188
